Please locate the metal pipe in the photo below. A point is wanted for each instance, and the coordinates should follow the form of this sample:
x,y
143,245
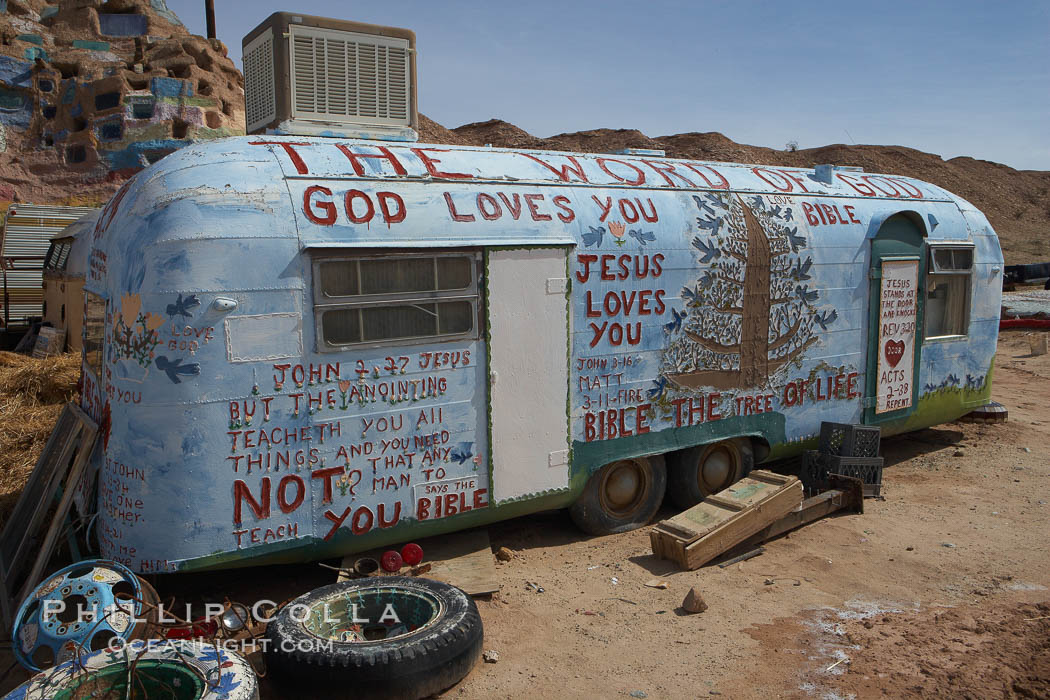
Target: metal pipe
x,y
209,13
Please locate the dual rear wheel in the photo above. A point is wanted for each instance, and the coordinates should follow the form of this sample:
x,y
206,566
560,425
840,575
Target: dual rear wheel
x,y
626,494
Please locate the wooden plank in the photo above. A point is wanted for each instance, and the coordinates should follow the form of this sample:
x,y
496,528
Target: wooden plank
x,y
463,559
750,491
88,433
725,519
22,529
743,525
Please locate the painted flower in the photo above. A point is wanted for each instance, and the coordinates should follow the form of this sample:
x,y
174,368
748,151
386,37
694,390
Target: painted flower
x,y
344,385
616,228
154,321
129,308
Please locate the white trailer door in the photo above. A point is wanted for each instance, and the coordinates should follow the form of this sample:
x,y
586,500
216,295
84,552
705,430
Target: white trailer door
x,y
528,321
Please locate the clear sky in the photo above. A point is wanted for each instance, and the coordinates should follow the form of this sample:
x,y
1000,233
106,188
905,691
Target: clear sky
x,y
961,77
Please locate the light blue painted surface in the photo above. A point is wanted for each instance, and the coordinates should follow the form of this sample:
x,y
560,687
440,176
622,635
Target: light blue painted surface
x,y
237,219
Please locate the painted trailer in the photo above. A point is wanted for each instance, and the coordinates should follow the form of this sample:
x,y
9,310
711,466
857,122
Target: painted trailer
x,y
65,267
302,347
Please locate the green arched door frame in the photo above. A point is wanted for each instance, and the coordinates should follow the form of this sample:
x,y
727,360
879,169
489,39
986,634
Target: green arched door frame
x,y
899,237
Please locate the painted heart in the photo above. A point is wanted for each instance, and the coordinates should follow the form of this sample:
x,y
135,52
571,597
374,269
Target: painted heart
x,y
893,351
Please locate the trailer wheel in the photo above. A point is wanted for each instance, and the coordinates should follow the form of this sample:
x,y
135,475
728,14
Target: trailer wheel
x,y
381,637
697,472
621,496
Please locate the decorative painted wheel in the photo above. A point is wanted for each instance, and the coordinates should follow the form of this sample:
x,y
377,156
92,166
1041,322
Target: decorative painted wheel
x,y
82,607
697,472
382,637
621,496
180,670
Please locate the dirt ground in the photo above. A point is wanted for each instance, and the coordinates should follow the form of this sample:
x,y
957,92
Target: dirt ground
x,y
928,593
940,590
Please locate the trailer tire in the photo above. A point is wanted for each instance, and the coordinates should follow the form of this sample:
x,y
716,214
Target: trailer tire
x,y
622,495
441,642
697,472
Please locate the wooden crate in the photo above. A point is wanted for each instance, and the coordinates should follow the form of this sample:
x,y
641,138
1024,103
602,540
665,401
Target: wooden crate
x,y
722,521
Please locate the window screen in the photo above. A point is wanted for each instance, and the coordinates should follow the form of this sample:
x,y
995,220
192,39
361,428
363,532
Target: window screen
x,y
948,283
395,298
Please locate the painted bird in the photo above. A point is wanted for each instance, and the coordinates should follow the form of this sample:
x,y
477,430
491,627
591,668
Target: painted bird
x,y
658,390
794,239
462,452
642,237
182,306
757,203
775,211
715,199
826,317
174,368
707,280
675,324
800,273
710,250
787,214
804,295
711,225
703,206
594,237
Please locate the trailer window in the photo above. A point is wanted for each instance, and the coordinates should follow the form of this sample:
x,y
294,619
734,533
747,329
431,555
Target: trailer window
x,y
94,330
948,282
394,298
58,255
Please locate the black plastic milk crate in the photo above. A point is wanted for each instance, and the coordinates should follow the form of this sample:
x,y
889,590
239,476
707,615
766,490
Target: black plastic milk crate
x,y
849,440
814,472
816,466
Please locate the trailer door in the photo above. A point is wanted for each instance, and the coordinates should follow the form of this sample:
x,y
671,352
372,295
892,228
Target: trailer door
x,y
894,320
528,324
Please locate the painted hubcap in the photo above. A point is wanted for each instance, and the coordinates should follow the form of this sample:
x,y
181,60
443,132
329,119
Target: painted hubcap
x,y
716,470
625,487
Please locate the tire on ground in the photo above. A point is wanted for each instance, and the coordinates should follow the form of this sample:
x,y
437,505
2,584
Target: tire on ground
x,y
695,473
429,643
622,495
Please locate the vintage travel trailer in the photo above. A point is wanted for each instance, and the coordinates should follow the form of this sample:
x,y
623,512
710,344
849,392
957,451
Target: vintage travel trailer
x,y
24,241
302,346
65,266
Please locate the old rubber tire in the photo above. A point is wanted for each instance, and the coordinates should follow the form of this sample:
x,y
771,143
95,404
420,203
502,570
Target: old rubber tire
x,y
440,643
623,495
697,472
178,669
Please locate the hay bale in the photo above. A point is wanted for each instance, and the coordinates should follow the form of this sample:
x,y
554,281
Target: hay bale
x,y
32,394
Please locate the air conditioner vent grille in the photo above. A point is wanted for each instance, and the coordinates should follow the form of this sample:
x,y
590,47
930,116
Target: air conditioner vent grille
x,y
260,103
348,77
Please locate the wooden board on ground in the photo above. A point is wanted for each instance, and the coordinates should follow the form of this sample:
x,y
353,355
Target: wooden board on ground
x,y
23,554
463,559
698,535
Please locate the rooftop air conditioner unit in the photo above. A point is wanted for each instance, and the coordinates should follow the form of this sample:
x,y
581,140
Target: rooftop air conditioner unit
x,y
326,77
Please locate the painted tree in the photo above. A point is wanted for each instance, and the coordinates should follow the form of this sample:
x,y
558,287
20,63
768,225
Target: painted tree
x,y
751,312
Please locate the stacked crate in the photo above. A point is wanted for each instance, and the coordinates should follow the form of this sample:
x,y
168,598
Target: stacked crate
x,y
850,450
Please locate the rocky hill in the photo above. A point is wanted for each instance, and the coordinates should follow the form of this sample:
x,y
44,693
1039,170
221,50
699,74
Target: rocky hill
x,y
92,91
